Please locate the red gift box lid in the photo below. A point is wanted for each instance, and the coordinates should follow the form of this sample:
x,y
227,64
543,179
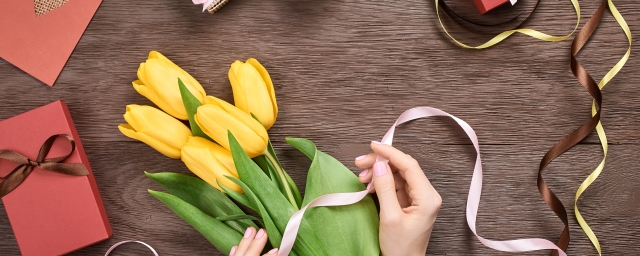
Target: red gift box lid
x,y
484,6
51,213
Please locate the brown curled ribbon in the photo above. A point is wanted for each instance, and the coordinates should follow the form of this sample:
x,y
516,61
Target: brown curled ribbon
x,y
20,173
578,135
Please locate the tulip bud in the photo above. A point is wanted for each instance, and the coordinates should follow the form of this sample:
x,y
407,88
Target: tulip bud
x,y
155,128
210,162
216,117
253,91
158,81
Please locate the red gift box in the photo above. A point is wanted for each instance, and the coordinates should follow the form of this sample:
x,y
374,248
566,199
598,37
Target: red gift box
x,y
484,6
51,213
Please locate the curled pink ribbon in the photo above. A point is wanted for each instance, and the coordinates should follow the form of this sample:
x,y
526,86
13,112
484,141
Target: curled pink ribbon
x,y
130,241
473,200
204,3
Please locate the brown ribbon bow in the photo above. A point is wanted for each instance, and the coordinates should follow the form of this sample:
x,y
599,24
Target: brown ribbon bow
x,y
20,173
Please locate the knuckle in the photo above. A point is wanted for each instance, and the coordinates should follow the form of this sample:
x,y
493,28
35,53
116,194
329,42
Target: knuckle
x,y
437,200
413,163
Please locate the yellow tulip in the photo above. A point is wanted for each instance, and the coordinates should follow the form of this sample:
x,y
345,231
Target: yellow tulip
x,y
253,91
155,128
210,162
158,81
216,117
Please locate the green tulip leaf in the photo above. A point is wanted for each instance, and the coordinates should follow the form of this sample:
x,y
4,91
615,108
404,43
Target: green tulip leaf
x,y
241,198
294,188
289,188
203,196
270,170
274,202
239,217
275,237
191,104
343,230
220,235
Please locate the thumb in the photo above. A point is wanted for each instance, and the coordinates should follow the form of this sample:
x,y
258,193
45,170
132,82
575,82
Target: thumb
x,y
385,188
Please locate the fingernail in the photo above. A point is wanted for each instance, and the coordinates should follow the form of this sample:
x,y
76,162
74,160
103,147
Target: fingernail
x,y
369,186
233,251
364,173
248,233
360,157
380,168
273,251
260,233
376,142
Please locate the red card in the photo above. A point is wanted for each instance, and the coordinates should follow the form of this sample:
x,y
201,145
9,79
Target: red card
x,y
51,213
42,45
484,6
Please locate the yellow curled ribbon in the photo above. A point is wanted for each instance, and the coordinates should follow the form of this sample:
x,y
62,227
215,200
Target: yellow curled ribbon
x,y
504,35
601,135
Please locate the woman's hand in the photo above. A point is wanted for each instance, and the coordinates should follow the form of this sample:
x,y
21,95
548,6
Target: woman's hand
x,y
252,244
408,203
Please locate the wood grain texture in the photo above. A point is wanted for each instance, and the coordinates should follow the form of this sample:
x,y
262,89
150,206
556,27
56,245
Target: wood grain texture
x,y
343,71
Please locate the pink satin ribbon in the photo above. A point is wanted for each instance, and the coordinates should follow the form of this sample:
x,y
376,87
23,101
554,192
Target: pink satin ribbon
x,y
473,200
204,3
130,241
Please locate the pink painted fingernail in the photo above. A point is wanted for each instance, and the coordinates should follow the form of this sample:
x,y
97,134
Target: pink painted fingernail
x,y
248,233
380,168
369,186
233,251
376,142
273,251
360,157
260,233
364,173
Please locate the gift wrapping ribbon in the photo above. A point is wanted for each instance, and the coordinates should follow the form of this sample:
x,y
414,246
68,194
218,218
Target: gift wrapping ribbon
x,y
22,171
505,34
473,200
130,241
578,42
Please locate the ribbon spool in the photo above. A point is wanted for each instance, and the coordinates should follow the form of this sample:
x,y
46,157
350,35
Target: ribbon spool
x,y
44,6
211,5
485,28
216,5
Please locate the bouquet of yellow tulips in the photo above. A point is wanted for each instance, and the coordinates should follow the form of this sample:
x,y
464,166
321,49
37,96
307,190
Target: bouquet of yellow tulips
x,y
228,148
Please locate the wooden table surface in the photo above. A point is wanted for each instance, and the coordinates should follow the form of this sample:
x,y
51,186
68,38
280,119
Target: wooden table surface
x,y
343,71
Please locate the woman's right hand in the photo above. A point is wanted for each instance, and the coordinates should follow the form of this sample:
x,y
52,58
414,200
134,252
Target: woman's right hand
x,y
409,204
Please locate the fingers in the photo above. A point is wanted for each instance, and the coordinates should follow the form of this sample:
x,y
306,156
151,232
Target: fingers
x,y
365,161
251,244
273,252
385,188
406,166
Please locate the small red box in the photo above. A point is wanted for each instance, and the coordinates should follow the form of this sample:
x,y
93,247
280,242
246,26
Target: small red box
x,y
484,6
51,213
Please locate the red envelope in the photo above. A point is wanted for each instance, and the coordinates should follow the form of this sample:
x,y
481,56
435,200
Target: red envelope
x,y
42,45
51,213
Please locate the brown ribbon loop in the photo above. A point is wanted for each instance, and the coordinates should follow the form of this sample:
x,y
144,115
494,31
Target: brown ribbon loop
x,y
578,135
20,173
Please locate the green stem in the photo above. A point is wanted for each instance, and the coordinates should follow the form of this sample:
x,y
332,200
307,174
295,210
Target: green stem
x,y
282,177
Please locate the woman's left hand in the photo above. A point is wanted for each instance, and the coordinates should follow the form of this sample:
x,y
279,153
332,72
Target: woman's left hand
x,y
252,244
